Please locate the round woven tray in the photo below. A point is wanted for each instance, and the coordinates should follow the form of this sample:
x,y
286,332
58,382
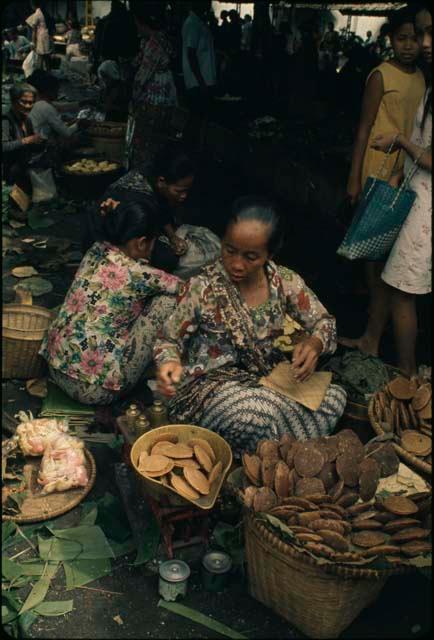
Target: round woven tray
x,y
344,571
37,507
412,460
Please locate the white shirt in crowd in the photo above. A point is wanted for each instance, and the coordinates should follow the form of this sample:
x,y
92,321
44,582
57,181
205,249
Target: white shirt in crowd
x,y
197,36
47,122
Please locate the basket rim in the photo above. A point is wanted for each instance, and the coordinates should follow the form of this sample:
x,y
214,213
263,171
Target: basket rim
x,y
68,507
26,309
266,537
420,465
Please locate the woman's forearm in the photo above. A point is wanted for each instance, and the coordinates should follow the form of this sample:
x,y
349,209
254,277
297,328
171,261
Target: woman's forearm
x,y
414,151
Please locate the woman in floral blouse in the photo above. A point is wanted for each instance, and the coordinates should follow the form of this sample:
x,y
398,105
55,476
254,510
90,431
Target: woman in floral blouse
x,y
154,91
101,341
219,340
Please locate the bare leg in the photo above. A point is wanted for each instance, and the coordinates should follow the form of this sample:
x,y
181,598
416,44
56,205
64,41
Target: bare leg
x,y
404,316
378,312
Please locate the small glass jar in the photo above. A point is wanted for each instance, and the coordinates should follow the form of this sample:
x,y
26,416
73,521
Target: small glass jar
x,y
173,579
131,415
216,566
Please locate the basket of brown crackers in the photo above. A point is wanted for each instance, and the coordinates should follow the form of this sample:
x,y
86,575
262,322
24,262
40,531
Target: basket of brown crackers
x,y
327,522
182,463
403,409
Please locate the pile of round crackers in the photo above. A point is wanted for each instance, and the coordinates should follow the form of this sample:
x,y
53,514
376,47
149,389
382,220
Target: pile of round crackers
x,y
190,469
324,490
404,407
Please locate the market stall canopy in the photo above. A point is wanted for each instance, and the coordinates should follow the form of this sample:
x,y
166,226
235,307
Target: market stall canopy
x,y
356,9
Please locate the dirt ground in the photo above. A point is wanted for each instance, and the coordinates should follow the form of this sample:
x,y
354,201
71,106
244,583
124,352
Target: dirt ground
x,y
403,609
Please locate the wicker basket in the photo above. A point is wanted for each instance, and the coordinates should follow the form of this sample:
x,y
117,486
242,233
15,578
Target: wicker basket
x,y
108,138
320,600
410,459
24,327
162,493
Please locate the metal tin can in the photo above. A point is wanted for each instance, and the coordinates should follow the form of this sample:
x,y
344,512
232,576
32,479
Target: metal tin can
x,y
216,566
142,425
173,579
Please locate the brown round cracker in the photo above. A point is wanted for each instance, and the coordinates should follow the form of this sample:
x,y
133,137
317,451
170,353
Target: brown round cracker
x,y
416,548
368,481
411,533
336,491
329,525
252,468
269,449
421,397
401,388
186,462
249,494
203,458
333,507
205,446
366,524
165,437
368,538
348,499
305,518
352,447
381,550
400,505
306,486
182,487
416,443
347,469
300,503
330,445
215,472
308,537
264,500
334,540
308,460
268,466
328,475
197,480
358,508
385,455
281,479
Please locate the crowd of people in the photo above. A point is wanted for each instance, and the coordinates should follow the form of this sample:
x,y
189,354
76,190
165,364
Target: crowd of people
x,y
210,330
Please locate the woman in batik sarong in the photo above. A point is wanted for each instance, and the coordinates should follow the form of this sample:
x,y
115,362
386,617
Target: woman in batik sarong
x,y
216,345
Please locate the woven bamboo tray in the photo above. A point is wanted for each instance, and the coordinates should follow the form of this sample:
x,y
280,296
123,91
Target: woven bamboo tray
x,y
24,327
37,507
409,458
184,432
320,600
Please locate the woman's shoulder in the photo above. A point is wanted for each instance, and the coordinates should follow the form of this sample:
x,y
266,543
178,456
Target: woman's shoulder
x,y
286,273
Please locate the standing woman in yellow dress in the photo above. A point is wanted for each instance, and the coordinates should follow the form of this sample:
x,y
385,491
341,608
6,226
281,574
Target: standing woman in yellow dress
x,y
392,95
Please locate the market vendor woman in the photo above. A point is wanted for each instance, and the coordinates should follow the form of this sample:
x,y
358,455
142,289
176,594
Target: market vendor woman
x,y
101,342
216,345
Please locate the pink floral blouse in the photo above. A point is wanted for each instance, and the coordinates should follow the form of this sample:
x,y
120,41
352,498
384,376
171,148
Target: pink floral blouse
x,y
88,338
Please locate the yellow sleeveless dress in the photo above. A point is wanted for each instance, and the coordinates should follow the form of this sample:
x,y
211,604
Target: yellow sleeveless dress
x,y
402,95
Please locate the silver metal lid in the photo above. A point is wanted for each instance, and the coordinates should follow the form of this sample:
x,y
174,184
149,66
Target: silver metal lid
x,y
174,570
217,562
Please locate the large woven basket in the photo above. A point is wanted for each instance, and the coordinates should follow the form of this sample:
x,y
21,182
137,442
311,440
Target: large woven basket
x,y
410,459
24,327
320,600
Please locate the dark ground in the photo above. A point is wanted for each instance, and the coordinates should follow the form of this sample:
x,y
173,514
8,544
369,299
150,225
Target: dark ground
x,y
403,609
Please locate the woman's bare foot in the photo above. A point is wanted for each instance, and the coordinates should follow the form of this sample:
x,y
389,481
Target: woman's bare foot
x,y
363,344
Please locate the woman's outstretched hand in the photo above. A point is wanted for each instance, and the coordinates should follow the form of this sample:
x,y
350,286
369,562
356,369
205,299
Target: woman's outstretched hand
x,y
169,375
305,358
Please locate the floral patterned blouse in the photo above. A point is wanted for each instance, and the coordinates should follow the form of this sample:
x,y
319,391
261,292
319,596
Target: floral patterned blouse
x,y
153,82
196,334
88,338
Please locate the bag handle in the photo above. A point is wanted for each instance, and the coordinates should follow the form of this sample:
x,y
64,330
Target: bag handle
x,y
386,155
408,177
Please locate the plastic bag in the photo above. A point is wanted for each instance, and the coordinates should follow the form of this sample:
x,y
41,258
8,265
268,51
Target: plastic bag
x,y
30,63
44,187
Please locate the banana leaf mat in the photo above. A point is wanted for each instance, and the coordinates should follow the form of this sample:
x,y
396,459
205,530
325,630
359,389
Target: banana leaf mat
x,y
59,405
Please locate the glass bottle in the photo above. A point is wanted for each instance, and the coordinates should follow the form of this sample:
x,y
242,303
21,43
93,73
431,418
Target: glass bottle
x,y
131,415
157,414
